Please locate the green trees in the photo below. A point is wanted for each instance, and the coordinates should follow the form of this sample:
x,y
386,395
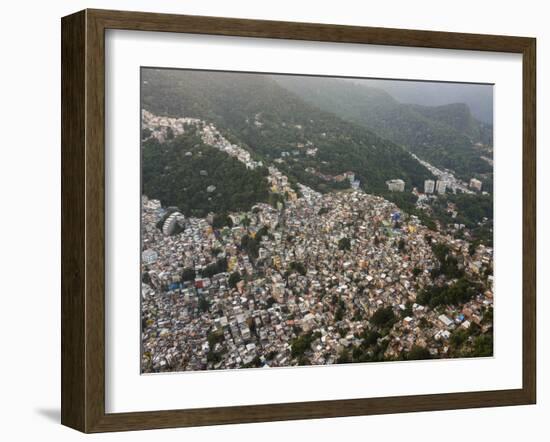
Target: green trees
x,y
344,244
214,268
214,338
188,274
418,353
448,264
264,231
458,293
408,310
441,135
213,357
344,357
371,349
487,316
236,102
270,301
401,245
471,342
251,245
204,305
370,337
483,346
383,317
472,209
234,278
298,267
459,337
173,176
302,343
221,220
423,323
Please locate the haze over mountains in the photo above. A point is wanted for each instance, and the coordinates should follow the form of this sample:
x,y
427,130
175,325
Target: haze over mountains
x,y
478,97
273,122
316,128
445,135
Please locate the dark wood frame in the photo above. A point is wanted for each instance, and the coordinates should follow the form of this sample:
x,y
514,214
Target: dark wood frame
x,y
83,216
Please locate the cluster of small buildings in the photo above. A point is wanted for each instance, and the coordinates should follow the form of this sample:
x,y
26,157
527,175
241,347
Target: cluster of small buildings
x,y
299,279
279,183
211,302
160,127
413,330
340,178
445,177
439,186
163,128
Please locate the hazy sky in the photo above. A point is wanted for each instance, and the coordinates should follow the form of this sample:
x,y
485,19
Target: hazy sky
x,y
479,97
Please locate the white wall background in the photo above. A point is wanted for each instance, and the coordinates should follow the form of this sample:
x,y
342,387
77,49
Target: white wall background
x,y
30,217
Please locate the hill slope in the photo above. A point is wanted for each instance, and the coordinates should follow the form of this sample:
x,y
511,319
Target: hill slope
x,y
478,97
458,117
274,124
198,178
443,135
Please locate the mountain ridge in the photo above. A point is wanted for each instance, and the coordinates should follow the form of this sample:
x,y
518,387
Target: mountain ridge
x,y
275,124
443,135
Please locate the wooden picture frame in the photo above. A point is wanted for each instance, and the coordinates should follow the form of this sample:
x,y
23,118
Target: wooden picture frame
x,y
83,220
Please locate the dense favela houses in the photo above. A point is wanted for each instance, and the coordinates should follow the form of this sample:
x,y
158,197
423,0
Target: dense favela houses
x,y
338,277
312,274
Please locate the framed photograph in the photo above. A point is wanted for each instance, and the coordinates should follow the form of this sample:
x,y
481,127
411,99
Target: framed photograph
x,y
265,221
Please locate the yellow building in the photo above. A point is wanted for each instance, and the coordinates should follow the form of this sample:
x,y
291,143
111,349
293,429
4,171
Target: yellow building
x,y
232,263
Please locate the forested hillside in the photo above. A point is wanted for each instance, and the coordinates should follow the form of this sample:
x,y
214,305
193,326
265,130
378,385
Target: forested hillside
x,y
444,136
273,123
181,171
478,97
458,117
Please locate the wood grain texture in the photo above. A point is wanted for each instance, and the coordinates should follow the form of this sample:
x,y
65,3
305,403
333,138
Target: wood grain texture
x,y
529,220
95,221
143,21
73,130
83,220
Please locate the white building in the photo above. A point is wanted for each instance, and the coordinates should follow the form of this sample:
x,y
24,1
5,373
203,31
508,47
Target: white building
x,y
396,185
441,187
445,320
169,226
429,186
149,256
475,184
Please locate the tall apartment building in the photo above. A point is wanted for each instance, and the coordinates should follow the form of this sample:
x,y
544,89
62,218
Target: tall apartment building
x,y
429,186
441,187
